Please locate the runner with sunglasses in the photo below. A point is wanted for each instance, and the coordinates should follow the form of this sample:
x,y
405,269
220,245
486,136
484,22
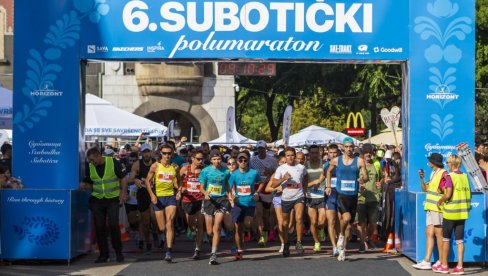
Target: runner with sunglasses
x,y
192,198
244,195
214,186
165,178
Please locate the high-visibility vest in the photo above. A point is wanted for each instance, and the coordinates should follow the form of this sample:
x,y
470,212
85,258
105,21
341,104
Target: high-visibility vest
x,y
432,195
457,208
108,186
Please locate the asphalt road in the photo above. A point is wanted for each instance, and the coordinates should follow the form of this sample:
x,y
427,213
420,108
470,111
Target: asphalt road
x,y
257,261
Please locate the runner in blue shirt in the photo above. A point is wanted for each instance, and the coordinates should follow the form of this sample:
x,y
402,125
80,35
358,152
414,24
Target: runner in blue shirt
x,y
242,182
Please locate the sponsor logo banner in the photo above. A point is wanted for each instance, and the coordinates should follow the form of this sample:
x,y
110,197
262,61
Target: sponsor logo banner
x,y
286,29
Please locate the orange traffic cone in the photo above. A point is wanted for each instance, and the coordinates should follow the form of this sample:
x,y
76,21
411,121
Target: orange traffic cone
x,y
123,234
389,243
398,243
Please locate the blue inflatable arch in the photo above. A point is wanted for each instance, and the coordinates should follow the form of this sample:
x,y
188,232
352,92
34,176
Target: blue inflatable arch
x,y
433,39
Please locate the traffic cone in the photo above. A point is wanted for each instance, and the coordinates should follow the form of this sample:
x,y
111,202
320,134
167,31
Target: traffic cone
x,y
389,244
398,243
123,234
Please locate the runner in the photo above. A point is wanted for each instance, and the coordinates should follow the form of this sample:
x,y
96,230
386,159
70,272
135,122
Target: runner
x,y
277,204
266,166
192,198
348,169
165,178
316,196
139,170
244,195
331,199
214,186
292,177
368,201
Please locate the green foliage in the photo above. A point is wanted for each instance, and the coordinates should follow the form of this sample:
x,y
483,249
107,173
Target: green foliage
x,y
481,120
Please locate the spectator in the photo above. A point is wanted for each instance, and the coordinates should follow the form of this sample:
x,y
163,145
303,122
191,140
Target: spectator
x,y
6,160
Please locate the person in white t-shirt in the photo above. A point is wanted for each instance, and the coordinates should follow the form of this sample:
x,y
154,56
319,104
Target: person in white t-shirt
x,y
292,177
266,166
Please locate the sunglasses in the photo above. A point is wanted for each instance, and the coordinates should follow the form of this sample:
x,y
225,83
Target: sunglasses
x,y
242,160
132,160
199,159
231,164
166,153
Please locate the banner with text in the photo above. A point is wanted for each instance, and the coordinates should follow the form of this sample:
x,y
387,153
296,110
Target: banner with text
x,y
288,29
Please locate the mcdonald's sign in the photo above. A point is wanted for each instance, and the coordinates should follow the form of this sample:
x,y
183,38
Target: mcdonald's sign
x,y
356,129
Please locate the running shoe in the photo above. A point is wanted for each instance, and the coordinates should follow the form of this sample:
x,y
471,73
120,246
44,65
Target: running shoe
x,y
340,242
436,265
335,252
423,265
286,250
362,248
342,255
213,259
168,258
441,269
282,247
316,247
299,248
322,235
371,245
261,242
196,255
457,270
271,236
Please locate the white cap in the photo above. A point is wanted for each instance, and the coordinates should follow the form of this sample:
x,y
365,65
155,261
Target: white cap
x,y
261,144
108,152
388,154
145,147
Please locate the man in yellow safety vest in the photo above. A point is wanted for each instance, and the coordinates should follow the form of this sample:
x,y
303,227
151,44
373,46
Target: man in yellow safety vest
x,y
109,189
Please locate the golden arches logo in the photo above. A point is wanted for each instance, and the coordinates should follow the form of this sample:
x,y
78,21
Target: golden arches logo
x,y
355,118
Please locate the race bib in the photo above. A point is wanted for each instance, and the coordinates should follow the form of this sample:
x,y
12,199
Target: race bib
x,y
165,177
244,190
319,191
348,185
333,182
294,186
193,187
215,189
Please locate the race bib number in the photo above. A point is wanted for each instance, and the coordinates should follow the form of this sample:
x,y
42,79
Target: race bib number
x,y
319,191
294,186
348,185
333,182
215,189
165,177
244,190
193,187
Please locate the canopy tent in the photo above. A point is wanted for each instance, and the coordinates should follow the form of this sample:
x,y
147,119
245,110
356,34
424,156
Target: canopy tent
x,y
105,120
386,137
237,139
6,97
315,135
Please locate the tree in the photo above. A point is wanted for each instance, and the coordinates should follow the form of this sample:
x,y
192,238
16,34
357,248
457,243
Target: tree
x,y
481,120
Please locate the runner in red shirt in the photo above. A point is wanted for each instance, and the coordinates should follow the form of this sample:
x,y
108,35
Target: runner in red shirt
x,y
191,197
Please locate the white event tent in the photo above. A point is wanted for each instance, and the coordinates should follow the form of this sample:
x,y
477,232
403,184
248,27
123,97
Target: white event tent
x,y
236,139
386,137
315,135
102,119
